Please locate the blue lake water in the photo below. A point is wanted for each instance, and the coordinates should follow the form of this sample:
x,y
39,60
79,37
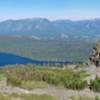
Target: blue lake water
x,y
7,59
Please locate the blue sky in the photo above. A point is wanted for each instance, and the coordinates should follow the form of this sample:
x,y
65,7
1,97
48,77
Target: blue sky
x,y
52,9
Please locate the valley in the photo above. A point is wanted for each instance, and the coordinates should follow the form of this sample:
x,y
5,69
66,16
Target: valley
x,y
55,50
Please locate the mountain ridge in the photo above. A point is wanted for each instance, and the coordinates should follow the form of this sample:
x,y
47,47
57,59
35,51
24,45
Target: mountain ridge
x,y
42,28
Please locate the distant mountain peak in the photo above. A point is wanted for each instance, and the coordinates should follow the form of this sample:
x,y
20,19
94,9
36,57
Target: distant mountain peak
x,y
46,29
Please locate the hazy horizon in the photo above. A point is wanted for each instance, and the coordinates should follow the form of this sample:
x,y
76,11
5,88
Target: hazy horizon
x,y
50,9
49,19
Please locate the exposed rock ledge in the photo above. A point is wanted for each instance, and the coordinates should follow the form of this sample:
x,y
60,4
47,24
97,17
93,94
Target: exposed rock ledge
x,y
94,58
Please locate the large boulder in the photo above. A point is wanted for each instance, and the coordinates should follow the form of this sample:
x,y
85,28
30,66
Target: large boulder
x,y
94,58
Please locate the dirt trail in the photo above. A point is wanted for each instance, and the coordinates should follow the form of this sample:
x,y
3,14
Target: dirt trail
x,y
63,94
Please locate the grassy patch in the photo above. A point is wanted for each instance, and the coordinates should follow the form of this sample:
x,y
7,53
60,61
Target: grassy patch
x,y
84,98
21,75
5,97
95,84
26,97
2,76
29,85
33,97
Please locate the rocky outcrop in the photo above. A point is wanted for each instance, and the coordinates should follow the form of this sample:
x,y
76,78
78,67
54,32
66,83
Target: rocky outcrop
x,y
94,58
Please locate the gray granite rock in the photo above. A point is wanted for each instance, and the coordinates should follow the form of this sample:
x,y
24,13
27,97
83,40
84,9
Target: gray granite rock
x,y
94,58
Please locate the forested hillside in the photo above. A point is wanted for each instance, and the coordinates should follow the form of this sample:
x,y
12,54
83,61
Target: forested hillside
x,y
68,50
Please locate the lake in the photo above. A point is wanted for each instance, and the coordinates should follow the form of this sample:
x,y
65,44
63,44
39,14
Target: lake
x,y
10,59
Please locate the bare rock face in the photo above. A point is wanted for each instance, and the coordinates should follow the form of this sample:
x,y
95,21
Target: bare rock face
x,y
94,58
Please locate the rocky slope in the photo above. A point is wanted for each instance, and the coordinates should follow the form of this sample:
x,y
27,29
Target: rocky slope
x,y
94,58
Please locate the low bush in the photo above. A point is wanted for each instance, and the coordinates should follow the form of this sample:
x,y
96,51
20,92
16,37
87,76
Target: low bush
x,y
95,84
67,78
